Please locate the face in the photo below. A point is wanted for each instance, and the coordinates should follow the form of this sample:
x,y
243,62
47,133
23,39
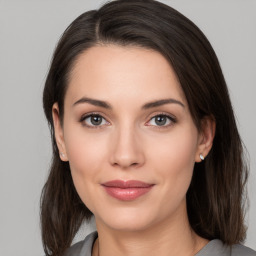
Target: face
x,y
126,119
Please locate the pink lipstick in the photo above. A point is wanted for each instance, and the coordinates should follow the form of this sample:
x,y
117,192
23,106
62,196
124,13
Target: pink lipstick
x,y
126,190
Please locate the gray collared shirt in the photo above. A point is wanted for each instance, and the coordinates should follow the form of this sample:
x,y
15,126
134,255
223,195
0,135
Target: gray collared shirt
x,y
213,248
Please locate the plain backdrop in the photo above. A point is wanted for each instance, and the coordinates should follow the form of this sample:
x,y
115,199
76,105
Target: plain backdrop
x,y
29,30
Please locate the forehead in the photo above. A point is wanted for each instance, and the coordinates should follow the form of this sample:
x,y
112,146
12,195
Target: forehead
x,y
111,70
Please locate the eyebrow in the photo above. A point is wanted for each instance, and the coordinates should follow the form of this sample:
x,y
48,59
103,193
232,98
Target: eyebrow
x,y
94,102
158,103
148,105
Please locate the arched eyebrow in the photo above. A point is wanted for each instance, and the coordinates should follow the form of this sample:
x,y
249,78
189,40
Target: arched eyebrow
x,y
99,103
158,103
148,105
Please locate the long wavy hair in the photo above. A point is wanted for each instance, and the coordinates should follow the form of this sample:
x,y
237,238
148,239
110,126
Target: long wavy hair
x,y
216,196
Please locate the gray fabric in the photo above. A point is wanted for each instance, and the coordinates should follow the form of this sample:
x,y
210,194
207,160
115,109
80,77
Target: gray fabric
x,y
213,248
217,248
83,248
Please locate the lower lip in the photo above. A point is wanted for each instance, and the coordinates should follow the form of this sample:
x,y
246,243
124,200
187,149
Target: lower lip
x,y
127,194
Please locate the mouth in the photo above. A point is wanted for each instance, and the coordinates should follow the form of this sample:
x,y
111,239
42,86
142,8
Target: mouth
x,y
127,190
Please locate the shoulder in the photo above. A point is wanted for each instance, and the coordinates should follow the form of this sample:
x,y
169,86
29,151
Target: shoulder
x,y
239,249
217,248
82,248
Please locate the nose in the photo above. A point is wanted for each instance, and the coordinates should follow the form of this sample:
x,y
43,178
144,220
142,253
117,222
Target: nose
x,y
126,149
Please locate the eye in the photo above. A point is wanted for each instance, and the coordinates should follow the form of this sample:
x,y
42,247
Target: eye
x,y
93,120
162,120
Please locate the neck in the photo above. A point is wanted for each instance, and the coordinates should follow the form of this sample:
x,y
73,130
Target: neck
x,y
165,238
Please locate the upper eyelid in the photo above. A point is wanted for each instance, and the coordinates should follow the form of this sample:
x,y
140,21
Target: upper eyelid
x,y
163,114
171,116
91,114
150,116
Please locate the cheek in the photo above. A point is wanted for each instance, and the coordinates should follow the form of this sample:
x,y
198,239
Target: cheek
x,y
174,160
85,150
176,150
86,154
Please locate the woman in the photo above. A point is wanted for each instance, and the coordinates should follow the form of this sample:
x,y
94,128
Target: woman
x,y
144,138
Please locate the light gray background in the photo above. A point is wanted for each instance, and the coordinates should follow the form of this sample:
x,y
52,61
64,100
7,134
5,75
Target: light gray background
x,y
29,31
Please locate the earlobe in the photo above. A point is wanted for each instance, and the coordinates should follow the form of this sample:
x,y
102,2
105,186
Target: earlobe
x,y
201,157
206,137
58,132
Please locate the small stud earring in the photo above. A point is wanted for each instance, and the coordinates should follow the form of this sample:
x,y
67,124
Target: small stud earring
x,y
201,157
62,154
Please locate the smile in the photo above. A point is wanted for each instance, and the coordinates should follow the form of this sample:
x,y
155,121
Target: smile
x,y
126,190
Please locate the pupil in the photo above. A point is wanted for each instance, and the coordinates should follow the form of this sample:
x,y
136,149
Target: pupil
x,y
161,120
96,120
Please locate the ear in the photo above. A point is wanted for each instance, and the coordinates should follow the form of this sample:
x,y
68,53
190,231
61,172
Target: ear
x,y
206,136
58,132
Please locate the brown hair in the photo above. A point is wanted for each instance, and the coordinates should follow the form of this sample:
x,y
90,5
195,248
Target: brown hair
x,y
215,199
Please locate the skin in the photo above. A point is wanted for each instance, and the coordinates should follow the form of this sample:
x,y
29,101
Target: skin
x,y
129,144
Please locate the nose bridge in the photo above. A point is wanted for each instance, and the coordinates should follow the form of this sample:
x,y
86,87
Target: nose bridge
x,y
127,149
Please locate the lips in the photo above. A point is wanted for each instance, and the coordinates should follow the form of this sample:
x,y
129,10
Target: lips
x,y
126,190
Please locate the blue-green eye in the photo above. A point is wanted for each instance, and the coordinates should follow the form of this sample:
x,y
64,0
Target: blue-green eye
x,y
161,120
94,120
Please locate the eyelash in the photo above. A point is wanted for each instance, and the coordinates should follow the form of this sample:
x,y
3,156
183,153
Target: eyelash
x,y
90,115
172,119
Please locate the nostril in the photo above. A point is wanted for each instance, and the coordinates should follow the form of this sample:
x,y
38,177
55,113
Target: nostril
x,y
125,151
125,164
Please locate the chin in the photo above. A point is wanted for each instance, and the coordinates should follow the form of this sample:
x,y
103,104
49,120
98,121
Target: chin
x,y
127,220
128,225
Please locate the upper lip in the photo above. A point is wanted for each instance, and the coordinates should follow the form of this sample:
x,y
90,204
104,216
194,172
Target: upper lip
x,y
127,184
